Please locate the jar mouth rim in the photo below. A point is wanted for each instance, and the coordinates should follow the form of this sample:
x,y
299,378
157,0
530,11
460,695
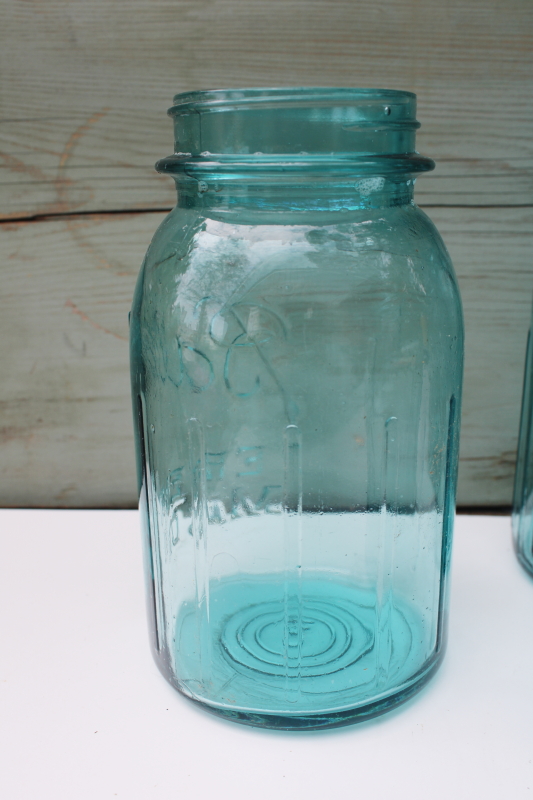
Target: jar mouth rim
x,y
302,97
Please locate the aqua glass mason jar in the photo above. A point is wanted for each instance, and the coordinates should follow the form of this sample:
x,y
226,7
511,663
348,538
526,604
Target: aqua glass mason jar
x,y
522,517
296,352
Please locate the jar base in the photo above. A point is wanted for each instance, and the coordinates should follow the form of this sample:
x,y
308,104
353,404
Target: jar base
x,y
331,719
308,654
524,562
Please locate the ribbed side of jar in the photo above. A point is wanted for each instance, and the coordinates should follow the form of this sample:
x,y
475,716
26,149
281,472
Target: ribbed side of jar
x,y
298,394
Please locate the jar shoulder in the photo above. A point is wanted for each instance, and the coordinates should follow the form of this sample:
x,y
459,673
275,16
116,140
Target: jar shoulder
x,y
402,228
397,249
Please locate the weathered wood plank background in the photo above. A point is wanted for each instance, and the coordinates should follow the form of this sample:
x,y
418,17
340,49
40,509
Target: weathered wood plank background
x,y
84,89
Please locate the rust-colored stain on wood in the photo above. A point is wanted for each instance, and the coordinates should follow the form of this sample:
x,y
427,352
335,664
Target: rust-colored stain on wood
x,y
86,318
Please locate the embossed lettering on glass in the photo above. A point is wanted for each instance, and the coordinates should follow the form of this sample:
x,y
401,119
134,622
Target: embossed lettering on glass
x,y
296,354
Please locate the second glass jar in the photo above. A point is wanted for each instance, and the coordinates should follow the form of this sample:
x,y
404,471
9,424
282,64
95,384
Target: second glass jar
x,y
523,488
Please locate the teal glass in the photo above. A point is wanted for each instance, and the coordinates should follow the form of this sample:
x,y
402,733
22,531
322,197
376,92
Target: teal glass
x,y
522,518
296,356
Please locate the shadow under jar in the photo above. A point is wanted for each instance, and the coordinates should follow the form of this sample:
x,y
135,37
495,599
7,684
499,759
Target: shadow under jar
x,y
296,355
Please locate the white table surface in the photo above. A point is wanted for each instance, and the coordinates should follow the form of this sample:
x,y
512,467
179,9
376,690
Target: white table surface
x,y
85,714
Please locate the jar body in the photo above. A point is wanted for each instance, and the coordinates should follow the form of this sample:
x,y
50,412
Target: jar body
x,y
296,385
522,517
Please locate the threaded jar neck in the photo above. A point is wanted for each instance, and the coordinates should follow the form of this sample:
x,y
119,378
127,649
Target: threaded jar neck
x,y
296,139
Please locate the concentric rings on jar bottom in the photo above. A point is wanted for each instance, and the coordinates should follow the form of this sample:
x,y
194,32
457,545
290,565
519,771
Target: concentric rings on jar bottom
x,y
353,648
273,638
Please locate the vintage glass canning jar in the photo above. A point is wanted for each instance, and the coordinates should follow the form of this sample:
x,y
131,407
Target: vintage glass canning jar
x,y
523,488
296,354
